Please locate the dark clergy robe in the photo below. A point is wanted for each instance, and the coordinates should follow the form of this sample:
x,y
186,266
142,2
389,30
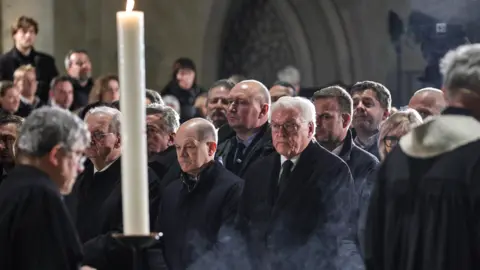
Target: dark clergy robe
x,y
309,224
424,211
36,231
192,213
96,204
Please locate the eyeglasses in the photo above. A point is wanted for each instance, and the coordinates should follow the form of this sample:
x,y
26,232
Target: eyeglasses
x,y
288,127
391,141
98,135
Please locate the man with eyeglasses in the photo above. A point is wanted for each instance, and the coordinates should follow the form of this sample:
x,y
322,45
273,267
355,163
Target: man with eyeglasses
x,y
36,231
162,125
298,201
96,199
247,115
9,127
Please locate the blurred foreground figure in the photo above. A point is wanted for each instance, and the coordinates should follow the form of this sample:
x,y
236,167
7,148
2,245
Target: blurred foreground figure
x,y
425,208
427,102
35,230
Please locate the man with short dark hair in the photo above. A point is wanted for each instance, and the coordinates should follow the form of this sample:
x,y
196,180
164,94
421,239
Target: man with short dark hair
x,y
24,32
9,127
79,69
281,89
61,92
371,103
217,102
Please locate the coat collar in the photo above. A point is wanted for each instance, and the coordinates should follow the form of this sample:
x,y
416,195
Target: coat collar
x,y
347,146
440,135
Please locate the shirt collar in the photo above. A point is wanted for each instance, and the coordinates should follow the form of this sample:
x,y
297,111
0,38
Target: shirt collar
x,y
104,168
294,160
26,101
337,150
248,141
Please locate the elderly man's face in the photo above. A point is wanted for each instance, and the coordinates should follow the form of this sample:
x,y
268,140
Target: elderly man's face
x,y
192,154
368,113
103,140
243,109
331,124
290,135
217,105
278,91
158,138
8,136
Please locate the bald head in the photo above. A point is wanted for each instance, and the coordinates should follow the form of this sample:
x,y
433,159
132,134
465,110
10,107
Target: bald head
x,y
256,89
200,129
428,101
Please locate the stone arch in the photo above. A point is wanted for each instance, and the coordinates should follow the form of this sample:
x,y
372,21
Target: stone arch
x,y
319,41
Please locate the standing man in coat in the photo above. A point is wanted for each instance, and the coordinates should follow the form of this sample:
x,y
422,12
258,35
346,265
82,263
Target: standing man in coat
x,y
296,208
424,209
36,231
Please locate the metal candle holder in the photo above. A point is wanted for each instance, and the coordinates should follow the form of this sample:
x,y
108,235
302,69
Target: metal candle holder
x,y
137,243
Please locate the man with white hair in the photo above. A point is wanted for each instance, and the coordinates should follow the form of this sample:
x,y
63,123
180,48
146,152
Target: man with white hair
x,y
427,102
424,209
96,200
36,231
298,201
247,115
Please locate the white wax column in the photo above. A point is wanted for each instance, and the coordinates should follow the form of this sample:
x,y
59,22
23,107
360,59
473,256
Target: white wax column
x,y
131,61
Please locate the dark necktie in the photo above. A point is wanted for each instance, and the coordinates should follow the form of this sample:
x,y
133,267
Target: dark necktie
x,y
237,163
283,182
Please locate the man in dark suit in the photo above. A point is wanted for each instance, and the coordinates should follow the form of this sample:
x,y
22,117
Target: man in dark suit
x,y
197,205
162,125
297,204
36,231
96,200
247,115
24,32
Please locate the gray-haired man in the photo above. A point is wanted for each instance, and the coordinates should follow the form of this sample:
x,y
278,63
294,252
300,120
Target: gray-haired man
x,y
35,229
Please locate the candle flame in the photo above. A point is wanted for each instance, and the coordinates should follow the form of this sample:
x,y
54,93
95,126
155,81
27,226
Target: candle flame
x,y
130,4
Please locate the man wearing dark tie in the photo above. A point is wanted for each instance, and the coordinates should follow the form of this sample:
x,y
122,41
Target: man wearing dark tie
x,y
296,208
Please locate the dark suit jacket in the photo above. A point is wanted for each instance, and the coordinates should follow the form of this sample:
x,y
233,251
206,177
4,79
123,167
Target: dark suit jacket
x,y
44,66
96,205
191,216
165,165
261,146
309,225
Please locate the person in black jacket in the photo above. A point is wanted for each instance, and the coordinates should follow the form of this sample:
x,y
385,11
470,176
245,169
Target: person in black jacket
x,y
9,127
24,33
196,206
96,200
247,115
183,86
36,231
297,206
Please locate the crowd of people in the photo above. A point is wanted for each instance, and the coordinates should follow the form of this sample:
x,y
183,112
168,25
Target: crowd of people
x,y
240,176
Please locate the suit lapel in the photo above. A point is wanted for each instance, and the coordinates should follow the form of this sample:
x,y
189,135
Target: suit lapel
x,y
300,174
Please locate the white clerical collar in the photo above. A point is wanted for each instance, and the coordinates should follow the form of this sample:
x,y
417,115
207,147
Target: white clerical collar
x,y
104,168
337,150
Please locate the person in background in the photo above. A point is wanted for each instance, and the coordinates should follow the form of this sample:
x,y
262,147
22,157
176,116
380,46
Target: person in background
x,y
428,102
61,92
236,78
173,103
9,127
394,128
371,103
282,89
106,89
183,86
25,80
9,98
153,96
79,69
217,103
36,231
24,32
291,75
201,105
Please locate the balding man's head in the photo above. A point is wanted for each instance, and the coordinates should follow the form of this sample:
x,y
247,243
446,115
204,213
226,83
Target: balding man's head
x,y
196,143
428,101
249,106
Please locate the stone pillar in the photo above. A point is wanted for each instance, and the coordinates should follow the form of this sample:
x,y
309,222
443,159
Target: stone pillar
x,y
40,10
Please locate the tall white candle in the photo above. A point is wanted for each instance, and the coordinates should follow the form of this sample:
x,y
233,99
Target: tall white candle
x,y
131,61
